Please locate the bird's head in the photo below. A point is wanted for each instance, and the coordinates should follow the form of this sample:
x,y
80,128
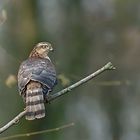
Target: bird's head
x,y
41,50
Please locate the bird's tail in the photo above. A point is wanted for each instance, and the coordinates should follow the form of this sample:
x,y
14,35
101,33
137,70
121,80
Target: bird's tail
x,y
34,101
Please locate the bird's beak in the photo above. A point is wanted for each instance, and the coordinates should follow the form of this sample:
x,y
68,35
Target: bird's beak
x,y
52,49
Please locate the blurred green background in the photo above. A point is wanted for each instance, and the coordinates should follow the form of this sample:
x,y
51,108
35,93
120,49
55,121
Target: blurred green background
x,y
85,34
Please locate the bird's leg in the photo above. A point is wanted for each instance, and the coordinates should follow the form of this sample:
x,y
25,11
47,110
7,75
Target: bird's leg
x,y
46,98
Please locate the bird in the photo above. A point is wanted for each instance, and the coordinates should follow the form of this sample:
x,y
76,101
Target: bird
x,y
36,79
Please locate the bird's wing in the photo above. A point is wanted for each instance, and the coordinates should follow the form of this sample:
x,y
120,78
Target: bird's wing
x,y
41,70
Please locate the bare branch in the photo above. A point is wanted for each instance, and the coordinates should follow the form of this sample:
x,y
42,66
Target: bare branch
x,y
108,66
51,97
38,132
13,121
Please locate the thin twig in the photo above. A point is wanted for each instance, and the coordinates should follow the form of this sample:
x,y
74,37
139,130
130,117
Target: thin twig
x,y
108,66
13,121
38,132
51,97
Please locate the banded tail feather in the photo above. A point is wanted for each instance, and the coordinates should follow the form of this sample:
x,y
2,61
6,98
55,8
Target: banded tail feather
x,y
34,101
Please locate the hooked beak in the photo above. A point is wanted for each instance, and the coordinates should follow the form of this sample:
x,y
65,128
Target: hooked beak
x,y
52,49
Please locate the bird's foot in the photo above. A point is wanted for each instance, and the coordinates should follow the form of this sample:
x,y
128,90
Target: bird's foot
x,y
47,99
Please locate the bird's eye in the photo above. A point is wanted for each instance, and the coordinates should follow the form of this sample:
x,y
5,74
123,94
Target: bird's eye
x,y
44,46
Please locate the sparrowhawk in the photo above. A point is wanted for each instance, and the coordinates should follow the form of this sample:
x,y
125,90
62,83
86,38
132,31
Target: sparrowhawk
x,y
36,78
